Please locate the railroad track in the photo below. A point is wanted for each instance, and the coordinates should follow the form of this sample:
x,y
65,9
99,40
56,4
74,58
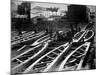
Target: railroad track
x,y
84,35
75,59
20,62
28,38
32,61
47,61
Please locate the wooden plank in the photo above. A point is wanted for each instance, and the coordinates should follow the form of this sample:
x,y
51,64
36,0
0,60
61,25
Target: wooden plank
x,y
19,60
82,49
59,50
78,52
22,48
74,56
55,53
50,57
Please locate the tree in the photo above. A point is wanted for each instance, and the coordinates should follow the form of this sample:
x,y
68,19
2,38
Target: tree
x,y
23,23
77,14
24,9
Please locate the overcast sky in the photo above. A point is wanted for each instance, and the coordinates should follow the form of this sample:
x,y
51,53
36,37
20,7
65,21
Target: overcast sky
x,y
48,5
62,7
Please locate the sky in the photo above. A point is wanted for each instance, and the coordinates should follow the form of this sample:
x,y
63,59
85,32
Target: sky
x,y
48,5
62,7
